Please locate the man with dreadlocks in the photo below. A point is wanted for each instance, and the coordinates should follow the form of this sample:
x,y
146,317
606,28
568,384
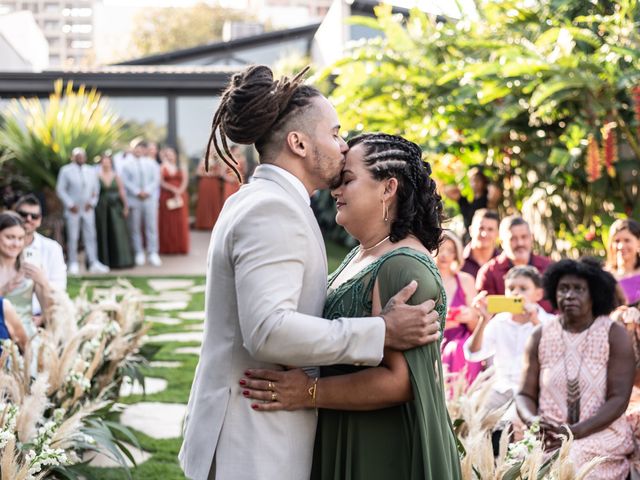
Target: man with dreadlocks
x,y
266,286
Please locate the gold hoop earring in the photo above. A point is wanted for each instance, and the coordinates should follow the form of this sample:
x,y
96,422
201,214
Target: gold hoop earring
x,y
385,211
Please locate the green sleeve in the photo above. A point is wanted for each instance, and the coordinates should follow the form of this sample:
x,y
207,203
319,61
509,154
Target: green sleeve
x,y
397,271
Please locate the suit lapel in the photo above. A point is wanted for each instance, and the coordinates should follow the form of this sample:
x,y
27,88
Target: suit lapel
x,y
270,175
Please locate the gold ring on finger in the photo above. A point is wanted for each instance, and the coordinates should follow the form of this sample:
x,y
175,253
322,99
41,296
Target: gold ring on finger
x,y
274,396
270,386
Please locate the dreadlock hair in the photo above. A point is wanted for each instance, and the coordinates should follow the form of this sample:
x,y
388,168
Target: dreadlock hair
x,y
255,109
419,206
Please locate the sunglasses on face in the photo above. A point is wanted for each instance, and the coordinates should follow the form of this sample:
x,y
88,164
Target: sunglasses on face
x,y
25,215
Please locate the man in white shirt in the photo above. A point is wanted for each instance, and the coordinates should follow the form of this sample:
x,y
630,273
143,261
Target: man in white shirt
x,y
39,250
78,188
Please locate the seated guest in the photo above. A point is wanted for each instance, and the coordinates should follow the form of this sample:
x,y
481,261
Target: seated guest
x,y
502,336
10,326
210,199
623,257
461,318
43,252
577,375
19,278
114,245
517,245
231,183
484,237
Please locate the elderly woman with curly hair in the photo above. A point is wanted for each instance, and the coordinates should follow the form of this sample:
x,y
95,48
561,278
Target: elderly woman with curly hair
x,y
578,372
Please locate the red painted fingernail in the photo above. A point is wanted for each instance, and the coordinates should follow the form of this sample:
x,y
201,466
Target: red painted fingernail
x,y
245,392
242,382
255,407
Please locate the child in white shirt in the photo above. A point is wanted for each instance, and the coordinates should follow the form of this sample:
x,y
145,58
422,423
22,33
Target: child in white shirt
x,y
503,336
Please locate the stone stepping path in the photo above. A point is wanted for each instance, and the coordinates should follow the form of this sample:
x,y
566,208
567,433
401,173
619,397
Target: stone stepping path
x,y
167,305
198,327
164,364
158,420
171,296
188,350
102,458
177,337
162,320
152,385
198,289
199,315
170,284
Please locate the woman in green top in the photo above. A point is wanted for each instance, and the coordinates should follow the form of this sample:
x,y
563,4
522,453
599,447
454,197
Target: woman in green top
x,y
390,421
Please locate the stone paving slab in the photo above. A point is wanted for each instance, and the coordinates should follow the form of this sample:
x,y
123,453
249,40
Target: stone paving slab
x,y
153,385
170,283
198,327
195,315
167,305
188,350
162,320
197,289
177,337
158,420
164,364
170,296
102,458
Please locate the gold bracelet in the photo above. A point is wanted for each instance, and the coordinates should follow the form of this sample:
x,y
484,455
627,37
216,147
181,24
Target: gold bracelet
x,y
312,393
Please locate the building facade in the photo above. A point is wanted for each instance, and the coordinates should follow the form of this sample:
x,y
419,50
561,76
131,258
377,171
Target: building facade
x,y
67,25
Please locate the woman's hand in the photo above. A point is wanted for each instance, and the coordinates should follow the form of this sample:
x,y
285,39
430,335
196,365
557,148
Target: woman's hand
x,y
34,273
277,390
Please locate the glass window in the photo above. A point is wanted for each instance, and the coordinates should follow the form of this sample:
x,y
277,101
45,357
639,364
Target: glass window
x,y
143,116
193,117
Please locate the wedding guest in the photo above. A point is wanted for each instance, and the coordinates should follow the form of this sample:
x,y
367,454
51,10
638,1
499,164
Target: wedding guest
x,y
461,318
484,239
517,245
210,194
114,244
173,219
20,279
577,375
43,252
10,326
78,189
231,183
141,178
623,257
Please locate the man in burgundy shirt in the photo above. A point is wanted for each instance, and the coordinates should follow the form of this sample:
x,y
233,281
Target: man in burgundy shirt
x,y
517,245
484,235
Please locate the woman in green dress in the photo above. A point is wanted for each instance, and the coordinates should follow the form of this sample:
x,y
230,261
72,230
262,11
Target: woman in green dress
x,y
390,421
114,248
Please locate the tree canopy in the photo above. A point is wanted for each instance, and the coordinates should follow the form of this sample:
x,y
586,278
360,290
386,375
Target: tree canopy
x,y
545,93
158,30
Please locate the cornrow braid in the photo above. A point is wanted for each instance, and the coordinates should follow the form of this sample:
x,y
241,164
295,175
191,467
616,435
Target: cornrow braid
x,y
249,108
419,209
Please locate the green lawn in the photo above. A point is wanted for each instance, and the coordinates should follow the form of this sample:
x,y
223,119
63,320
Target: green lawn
x,y
163,464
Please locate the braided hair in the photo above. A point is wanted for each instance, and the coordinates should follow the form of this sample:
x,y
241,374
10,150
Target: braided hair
x,y
419,209
255,109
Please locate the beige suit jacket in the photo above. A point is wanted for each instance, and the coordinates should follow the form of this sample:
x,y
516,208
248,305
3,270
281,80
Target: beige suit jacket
x,y
266,287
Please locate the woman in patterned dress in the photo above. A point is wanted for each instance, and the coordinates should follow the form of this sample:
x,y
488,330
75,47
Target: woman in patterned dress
x,y
388,421
578,370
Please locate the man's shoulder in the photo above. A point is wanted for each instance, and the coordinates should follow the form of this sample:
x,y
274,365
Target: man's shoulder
x,y
498,262
46,242
540,261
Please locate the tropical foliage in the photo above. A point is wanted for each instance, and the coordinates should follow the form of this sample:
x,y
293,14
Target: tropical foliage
x,y
56,399
543,92
38,136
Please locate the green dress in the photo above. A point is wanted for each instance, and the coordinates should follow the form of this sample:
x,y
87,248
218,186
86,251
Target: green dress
x,y
407,442
114,247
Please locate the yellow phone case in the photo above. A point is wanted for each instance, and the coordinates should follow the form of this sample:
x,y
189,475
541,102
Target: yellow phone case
x,y
501,303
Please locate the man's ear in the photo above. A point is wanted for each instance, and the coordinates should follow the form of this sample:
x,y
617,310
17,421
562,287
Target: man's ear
x,y
298,143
